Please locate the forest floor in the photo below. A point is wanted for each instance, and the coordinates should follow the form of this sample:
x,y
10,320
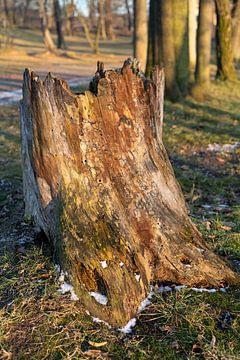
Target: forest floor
x,y
38,322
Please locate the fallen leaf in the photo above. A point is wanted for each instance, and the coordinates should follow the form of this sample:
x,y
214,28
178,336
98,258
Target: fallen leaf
x,y
220,160
225,227
213,341
96,344
45,276
207,224
166,328
212,236
93,353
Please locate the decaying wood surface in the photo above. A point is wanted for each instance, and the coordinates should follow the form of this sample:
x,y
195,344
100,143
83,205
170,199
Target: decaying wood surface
x,y
98,181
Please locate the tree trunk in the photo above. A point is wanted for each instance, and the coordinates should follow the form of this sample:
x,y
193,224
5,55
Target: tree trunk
x,y
154,56
92,13
168,50
98,181
129,17
193,6
140,32
25,12
204,38
7,13
93,43
236,31
225,66
48,41
168,44
58,22
101,19
181,46
109,20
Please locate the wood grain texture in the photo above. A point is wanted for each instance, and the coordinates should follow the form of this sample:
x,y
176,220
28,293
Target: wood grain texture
x,y
98,181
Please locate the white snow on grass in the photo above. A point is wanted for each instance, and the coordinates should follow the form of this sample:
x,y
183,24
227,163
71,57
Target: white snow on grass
x,y
65,288
127,329
206,206
121,264
100,298
61,277
10,97
163,289
104,264
223,148
97,320
204,290
146,302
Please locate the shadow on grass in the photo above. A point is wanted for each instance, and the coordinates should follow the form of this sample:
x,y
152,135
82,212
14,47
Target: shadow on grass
x,y
209,123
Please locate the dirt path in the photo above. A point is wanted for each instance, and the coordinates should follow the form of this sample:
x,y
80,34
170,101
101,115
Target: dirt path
x,y
76,65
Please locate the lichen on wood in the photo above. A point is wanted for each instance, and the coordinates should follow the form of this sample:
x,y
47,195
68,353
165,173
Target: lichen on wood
x,y
98,181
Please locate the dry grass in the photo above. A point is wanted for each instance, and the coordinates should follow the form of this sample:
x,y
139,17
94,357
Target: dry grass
x,y
37,322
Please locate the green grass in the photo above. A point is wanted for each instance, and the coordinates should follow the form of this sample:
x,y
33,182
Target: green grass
x,y
37,322
10,165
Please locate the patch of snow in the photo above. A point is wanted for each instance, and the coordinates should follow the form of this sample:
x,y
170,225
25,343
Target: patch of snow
x,y
179,287
121,264
206,206
97,320
127,329
74,296
137,277
104,264
76,82
9,97
188,265
221,207
65,288
163,289
100,298
223,148
61,277
223,290
203,290
146,302
57,269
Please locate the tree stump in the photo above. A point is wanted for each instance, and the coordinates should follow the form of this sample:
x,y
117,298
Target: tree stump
x,y
98,182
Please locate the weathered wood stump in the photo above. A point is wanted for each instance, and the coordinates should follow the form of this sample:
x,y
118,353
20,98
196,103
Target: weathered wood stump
x,y
98,181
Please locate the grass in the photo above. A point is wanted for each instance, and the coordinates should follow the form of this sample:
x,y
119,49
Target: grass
x,y
37,322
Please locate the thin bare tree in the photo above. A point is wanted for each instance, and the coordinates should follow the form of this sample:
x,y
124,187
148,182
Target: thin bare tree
x,y
58,22
47,38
